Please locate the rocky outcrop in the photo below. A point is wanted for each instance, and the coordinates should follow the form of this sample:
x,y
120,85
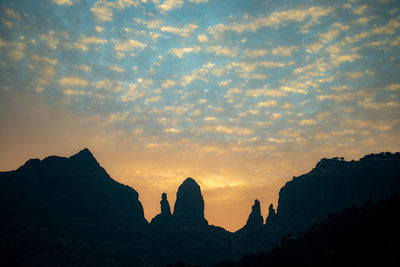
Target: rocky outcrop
x,y
366,235
271,214
335,184
189,205
69,211
68,187
255,218
165,214
165,209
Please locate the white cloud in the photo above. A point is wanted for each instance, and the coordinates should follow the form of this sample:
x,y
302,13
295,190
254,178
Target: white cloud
x,y
152,24
394,87
73,81
224,83
287,105
314,47
254,53
85,68
293,90
197,74
202,38
275,93
307,122
99,29
170,4
345,58
132,94
223,51
226,130
284,51
248,67
64,2
255,92
259,77
184,32
84,42
179,52
274,20
360,9
103,10
117,68
335,30
52,39
341,88
12,13
128,45
168,84
70,92
267,104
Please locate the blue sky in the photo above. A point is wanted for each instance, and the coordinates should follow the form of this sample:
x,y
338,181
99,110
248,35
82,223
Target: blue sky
x,y
240,94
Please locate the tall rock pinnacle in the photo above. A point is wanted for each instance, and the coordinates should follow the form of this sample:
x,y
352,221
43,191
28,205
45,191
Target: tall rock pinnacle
x,y
255,217
165,209
165,214
271,214
189,203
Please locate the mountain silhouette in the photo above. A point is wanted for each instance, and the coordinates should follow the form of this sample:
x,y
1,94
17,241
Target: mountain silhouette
x,y
335,184
69,211
68,187
365,235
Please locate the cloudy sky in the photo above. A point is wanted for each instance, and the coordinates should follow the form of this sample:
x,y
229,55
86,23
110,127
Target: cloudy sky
x,y
241,95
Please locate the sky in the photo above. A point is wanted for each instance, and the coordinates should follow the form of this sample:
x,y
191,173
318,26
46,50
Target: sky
x,y
240,95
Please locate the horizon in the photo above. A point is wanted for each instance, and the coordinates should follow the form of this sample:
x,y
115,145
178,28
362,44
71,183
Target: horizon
x,y
241,96
172,198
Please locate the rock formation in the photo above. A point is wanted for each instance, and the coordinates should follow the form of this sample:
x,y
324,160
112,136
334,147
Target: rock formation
x,y
255,218
366,235
165,214
335,184
165,209
189,205
71,209
271,214
68,187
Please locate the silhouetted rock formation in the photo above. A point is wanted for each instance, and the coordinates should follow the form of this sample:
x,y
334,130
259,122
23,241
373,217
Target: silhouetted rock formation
x,y
255,218
186,234
69,211
189,204
271,214
358,236
165,214
335,184
67,187
250,237
165,209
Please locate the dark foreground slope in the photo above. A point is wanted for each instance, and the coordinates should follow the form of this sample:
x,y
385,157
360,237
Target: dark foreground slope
x,y
367,235
68,211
